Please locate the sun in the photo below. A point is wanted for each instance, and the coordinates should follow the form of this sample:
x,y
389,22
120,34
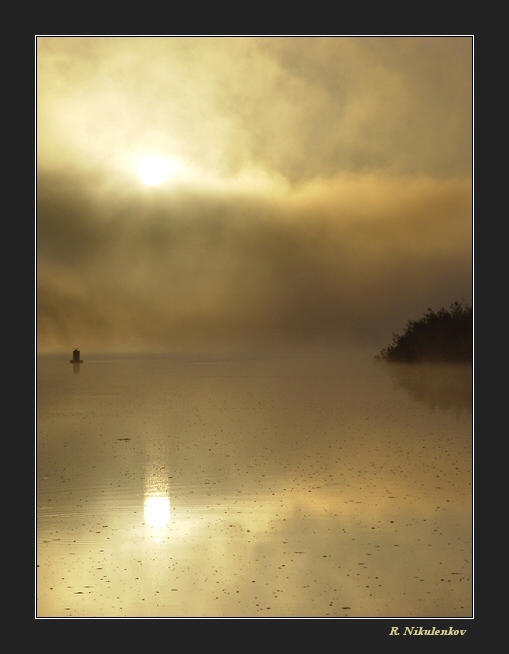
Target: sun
x,y
155,169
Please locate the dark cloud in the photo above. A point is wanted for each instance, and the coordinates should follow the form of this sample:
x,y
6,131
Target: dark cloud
x,y
198,269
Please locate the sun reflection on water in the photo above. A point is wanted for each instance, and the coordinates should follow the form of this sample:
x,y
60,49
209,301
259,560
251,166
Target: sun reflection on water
x,y
157,506
157,511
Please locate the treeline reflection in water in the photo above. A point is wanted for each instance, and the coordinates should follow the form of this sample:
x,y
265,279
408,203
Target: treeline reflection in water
x,y
446,387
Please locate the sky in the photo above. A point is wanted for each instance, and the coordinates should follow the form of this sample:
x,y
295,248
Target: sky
x,y
315,190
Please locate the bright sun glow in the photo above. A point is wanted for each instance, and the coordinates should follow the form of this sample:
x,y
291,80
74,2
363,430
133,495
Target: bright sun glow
x,y
154,169
157,511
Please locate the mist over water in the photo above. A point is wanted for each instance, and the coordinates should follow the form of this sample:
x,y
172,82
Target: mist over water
x,y
290,484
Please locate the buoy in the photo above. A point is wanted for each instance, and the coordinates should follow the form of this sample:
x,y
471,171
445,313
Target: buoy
x,y
76,357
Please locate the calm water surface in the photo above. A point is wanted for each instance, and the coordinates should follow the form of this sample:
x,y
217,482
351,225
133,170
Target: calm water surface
x,y
305,486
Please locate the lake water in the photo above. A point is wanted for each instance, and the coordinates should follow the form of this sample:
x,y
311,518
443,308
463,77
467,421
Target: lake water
x,y
312,486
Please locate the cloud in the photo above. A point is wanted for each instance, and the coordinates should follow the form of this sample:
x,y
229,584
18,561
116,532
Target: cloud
x,y
326,197
301,107
203,269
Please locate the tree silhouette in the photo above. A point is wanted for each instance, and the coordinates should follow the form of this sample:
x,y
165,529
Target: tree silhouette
x,y
444,336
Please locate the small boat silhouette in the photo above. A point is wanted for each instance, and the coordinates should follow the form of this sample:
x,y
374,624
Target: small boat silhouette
x,y
76,357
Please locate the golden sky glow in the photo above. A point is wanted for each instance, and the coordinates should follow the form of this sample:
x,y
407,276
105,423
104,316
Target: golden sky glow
x,y
315,189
